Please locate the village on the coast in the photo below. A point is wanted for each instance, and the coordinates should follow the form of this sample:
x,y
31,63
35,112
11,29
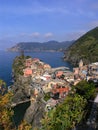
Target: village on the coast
x,y
56,81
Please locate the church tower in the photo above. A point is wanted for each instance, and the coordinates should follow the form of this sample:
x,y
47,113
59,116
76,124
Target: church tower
x,y
80,63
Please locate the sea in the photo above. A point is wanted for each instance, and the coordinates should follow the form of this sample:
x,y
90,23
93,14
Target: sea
x,y
55,59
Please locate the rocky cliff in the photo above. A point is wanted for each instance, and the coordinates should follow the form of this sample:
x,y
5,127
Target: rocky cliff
x,y
24,91
35,112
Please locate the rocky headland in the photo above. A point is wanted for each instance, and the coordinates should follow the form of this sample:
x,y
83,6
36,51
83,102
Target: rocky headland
x,y
35,81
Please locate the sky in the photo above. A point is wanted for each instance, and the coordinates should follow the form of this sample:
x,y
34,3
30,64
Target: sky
x,y
44,20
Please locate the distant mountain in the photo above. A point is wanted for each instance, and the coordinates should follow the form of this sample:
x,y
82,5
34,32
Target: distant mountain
x,y
85,48
45,46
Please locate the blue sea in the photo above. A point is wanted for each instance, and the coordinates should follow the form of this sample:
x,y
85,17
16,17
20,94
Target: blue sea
x,y
6,60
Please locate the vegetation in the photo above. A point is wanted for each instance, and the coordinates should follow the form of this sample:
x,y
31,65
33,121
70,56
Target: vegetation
x,y
73,110
86,89
3,87
64,117
6,113
67,115
24,126
47,96
5,110
86,48
37,46
18,65
2,83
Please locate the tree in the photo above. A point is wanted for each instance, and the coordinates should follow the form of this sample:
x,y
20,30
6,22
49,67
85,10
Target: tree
x,y
2,83
24,126
6,112
86,89
3,87
67,115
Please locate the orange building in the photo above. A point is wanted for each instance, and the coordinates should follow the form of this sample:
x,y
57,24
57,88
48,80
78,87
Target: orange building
x,y
62,90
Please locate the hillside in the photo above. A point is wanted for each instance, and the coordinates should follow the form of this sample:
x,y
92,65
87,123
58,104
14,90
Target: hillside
x,y
37,46
85,48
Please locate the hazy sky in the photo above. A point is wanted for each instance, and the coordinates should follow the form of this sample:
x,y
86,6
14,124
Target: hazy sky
x,y
43,20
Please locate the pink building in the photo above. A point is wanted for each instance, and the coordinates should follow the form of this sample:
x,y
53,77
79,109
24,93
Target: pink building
x,y
76,71
27,72
36,60
59,74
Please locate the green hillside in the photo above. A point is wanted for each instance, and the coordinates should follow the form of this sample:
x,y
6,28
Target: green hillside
x,y
39,46
85,48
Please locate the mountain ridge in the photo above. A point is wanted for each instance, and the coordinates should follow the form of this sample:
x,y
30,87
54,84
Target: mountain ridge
x,y
41,46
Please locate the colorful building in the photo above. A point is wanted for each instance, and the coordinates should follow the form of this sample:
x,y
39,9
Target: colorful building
x,y
27,72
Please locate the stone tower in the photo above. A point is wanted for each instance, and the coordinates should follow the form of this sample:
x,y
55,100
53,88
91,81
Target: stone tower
x,y
80,63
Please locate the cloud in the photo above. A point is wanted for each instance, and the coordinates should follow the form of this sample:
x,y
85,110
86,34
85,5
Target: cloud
x,y
35,34
48,35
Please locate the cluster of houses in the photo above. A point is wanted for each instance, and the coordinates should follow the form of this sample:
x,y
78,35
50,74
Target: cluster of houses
x,y
56,81
86,72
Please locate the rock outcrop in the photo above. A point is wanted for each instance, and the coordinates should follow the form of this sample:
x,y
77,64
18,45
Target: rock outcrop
x,y
35,112
23,89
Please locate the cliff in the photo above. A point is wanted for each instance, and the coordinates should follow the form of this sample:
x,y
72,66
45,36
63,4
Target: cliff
x,y
23,89
85,48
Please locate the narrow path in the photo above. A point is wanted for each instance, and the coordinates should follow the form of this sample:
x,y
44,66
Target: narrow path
x,y
28,100
15,104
